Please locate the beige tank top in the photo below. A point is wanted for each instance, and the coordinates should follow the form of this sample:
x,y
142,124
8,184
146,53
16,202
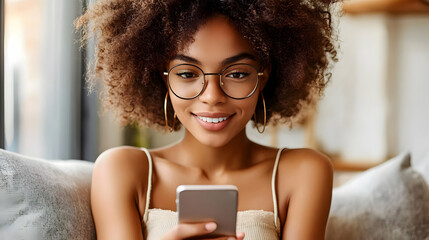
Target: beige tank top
x,y
256,224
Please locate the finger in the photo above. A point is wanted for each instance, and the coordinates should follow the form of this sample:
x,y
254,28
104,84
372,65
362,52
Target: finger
x,y
240,236
187,230
222,238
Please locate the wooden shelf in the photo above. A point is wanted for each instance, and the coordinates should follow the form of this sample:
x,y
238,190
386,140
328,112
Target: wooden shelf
x,y
341,165
386,6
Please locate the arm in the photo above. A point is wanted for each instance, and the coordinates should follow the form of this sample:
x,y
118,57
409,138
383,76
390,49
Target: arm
x,y
113,197
310,201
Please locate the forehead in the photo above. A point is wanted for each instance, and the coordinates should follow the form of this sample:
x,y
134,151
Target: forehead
x,y
215,41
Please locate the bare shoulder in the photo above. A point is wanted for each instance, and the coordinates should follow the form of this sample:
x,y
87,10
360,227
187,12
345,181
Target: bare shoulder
x,y
305,162
308,176
116,179
125,164
301,170
112,164
122,158
121,154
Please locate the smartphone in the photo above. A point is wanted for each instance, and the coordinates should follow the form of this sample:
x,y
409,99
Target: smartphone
x,y
202,203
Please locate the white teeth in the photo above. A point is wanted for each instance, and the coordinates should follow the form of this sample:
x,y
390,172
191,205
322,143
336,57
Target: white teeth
x,y
212,120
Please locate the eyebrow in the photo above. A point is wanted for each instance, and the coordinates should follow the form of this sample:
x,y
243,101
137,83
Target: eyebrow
x,y
227,61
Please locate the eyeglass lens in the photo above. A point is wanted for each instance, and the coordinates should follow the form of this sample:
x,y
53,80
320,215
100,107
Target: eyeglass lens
x,y
236,81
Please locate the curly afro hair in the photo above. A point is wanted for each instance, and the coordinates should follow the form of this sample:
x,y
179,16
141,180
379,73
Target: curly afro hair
x,y
136,37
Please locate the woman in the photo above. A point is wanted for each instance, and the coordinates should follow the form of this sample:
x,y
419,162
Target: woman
x,y
211,66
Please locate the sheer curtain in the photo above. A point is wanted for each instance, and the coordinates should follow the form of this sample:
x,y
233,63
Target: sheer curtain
x,y
61,80
2,132
47,108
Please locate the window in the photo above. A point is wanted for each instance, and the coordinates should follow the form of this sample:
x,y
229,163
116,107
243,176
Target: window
x,y
43,79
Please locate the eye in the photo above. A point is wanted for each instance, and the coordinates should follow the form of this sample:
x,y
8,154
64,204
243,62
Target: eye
x,y
187,75
237,75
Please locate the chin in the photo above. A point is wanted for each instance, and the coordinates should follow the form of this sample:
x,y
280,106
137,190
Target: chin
x,y
214,140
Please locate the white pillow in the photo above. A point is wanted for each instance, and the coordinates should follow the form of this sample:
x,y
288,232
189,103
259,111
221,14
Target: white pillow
x,y
42,199
390,201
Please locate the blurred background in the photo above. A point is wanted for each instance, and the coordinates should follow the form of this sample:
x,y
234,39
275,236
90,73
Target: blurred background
x,y
375,106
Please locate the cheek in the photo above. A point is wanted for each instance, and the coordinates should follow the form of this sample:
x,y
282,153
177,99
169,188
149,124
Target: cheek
x,y
179,107
247,107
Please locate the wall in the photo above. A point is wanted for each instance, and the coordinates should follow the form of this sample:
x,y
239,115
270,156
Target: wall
x,y
376,104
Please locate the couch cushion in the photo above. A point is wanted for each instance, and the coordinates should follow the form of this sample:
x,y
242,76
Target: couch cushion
x,y
41,199
390,201
421,163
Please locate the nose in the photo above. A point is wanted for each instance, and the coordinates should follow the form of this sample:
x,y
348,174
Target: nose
x,y
212,93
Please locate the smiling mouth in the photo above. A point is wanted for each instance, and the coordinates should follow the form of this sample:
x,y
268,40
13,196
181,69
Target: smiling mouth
x,y
212,120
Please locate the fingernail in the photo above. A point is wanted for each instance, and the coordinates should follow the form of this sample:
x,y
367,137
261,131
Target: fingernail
x,y
211,226
231,238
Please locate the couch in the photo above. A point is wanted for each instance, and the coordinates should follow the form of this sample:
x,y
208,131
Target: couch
x,y
41,199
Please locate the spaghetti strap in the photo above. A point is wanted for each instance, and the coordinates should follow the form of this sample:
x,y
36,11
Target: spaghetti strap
x,y
149,184
273,187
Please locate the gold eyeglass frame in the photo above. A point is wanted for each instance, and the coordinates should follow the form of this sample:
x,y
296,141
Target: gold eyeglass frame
x,y
220,80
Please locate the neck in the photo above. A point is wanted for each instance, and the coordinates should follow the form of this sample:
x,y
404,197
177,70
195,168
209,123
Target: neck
x,y
216,160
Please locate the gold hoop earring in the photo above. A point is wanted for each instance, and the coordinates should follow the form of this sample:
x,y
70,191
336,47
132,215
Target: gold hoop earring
x,y
265,116
171,129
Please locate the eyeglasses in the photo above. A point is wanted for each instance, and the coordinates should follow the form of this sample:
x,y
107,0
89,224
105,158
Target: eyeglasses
x,y
237,81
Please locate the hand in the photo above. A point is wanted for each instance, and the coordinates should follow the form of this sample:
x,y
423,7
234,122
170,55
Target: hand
x,y
187,230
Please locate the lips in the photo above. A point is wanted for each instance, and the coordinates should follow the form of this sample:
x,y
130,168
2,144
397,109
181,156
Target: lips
x,y
213,121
